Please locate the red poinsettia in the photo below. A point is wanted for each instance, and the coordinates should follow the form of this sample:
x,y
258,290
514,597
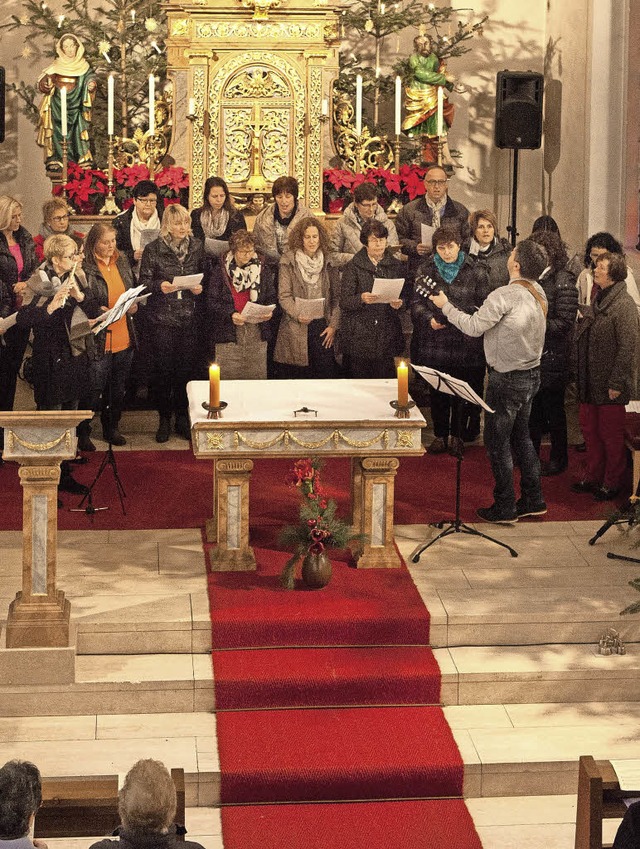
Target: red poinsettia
x,y
404,186
174,177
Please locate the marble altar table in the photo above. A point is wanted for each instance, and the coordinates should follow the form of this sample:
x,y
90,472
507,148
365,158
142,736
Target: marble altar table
x,y
350,418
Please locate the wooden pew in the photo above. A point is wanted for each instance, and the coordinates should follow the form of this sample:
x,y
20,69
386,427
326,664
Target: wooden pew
x,y
599,797
88,807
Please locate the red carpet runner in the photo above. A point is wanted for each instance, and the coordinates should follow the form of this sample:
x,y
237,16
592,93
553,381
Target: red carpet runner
x,y
326,699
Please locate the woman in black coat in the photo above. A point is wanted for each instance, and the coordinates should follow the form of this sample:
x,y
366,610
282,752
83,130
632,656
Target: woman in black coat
x,y
442,346
174,316
370,332
488,248
215,221
17,264
547,409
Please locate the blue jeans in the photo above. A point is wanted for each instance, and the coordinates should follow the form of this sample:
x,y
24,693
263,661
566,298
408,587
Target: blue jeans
x,y
510,395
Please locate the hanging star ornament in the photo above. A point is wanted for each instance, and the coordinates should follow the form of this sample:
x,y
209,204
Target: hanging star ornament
x,y
103,47
368,25
26,52
24,20
150,24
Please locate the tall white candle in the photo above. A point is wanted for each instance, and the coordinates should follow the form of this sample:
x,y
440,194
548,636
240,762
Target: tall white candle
x,y
440,121
110,105
325,106
152,104
398,104
63,111
192,106
359,104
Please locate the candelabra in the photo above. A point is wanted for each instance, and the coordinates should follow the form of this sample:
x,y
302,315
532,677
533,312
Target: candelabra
x,y
396,153
65,165
110,206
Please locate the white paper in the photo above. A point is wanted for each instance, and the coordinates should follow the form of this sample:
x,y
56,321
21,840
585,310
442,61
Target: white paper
x,y
387,290
188,281
256,313
8,322
148,236
310,307
628,772
124,303
443,382
426,234
215,247
633,407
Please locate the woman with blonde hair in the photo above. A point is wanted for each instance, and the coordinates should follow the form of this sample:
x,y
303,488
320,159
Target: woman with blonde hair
x,y
17,263
147,807
174,316
304,347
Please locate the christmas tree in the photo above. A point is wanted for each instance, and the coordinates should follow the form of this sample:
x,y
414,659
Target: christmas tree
x,y
120,37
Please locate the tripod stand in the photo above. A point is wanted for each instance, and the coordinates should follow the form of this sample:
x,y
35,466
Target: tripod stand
x,y
454,386
626,514
109,458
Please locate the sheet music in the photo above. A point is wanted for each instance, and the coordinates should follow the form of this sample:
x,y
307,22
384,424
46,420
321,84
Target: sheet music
x,y
148,236
124,303
628,772
215,247
387,290
310,307
187,281
8,322
426,234
256,313
450,385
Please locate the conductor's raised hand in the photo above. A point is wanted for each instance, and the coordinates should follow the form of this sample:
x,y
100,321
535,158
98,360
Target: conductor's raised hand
x,y
440,299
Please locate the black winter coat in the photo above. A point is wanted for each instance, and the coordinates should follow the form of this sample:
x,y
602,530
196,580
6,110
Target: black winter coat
x,y
414,214
494,261
122,226
370,331
99,292
220,306
137,840
236,222
159,263
448,348
8,265
562,299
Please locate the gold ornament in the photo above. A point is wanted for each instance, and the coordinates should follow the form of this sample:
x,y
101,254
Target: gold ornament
x,y
104,47
151,25
24,20
368,25
26,52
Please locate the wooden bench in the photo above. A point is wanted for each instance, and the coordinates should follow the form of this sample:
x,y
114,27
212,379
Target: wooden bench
x,y
88,807
599,797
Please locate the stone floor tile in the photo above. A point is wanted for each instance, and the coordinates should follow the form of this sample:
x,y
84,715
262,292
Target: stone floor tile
x,y
477,716
156,725
558,836
140,613
572,715
167,668
522,810
567,575
43,728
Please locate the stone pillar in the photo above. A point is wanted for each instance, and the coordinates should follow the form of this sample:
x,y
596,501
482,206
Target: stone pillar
x,y
376,513
231,516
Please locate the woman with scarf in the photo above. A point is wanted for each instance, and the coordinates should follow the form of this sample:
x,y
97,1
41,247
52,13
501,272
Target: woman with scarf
x,y
240,277
56,303
442,346
273,224
17,263
487,247
55,220
304,347
215,221
174,316
71,71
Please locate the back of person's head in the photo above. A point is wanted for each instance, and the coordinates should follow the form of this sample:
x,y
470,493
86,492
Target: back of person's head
x,y
20,798
285,185
144,188
371,227
365,191
617,269
604,241
147,800
532,259
554,246
545,223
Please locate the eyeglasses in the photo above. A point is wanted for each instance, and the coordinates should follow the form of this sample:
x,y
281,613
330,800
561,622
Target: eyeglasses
x,y
147,201
368,204
60,217
436,182
71,256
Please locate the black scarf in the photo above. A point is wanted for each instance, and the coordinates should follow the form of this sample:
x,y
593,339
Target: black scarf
x,y
284,221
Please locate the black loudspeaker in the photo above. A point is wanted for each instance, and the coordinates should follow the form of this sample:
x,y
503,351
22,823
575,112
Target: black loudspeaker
x,y
2,90
519,109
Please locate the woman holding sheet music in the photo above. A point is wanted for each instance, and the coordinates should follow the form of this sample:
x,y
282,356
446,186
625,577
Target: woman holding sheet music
x,y
108,275
239,279
215,221
308,295
370,329
175,314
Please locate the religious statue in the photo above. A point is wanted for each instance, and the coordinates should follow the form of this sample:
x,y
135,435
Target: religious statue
x,y
421,100
69,70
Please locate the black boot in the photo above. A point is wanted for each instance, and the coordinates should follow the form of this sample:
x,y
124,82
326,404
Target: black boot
x,y
164,429
182,426
69,483
84,436
110,429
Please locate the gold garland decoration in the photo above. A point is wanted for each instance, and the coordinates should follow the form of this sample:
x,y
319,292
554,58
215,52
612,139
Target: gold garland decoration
x,y
40,446
287,437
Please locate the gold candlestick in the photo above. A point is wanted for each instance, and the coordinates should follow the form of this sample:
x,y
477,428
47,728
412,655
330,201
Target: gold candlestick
x,y
396,153
440,149
110,206
65,166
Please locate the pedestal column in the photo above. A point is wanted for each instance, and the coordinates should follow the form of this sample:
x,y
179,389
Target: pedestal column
x,y
231,517
377,478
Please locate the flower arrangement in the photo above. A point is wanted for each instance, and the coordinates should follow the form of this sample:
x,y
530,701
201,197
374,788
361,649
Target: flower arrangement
x,y
87,188
397,189
318,527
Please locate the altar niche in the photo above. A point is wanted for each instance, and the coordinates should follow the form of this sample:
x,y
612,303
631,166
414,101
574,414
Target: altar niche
x,y
253,91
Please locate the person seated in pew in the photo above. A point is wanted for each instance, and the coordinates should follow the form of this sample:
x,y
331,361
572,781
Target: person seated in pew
x,y
147,806
20,798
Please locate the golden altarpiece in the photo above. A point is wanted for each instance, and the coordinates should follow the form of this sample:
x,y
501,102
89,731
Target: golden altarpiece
x,y
252,82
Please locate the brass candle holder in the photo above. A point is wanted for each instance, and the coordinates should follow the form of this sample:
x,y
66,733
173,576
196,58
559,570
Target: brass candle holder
x,y
214,412
65,165
110,206
402,411
396,153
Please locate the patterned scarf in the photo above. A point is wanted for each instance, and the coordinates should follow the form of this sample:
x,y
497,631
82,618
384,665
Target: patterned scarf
x,y
244,277
436,209
138,225
310,268
214,223
180,249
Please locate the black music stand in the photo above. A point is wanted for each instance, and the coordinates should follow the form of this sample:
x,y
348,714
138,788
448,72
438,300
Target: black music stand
x,y
460,389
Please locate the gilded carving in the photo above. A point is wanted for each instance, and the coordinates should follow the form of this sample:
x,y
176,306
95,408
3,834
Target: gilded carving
x,y
198,138
39,473
404,439
315,142
275,149
286,438
262,31
214,442
180,27
256,82
260,7
39,446
237,144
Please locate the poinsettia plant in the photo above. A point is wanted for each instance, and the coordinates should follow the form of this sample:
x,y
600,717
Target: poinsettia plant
x,y
393,188
87,188
318,527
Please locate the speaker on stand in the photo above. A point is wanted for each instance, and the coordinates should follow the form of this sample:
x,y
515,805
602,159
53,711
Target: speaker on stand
x,y
519,96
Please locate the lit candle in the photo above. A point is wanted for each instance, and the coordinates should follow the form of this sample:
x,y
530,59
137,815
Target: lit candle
x,y
63,111
325,106
152,104
214,385
440,122
192,106
398,104
110,105
403,384
154,44
382,8
133,16
359,105
60,20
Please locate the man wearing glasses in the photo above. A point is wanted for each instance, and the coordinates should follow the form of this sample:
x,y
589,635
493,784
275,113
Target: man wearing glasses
x,y
143,215
434,208
345,241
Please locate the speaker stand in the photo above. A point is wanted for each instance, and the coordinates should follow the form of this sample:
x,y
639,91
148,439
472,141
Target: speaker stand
x,y
512,228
